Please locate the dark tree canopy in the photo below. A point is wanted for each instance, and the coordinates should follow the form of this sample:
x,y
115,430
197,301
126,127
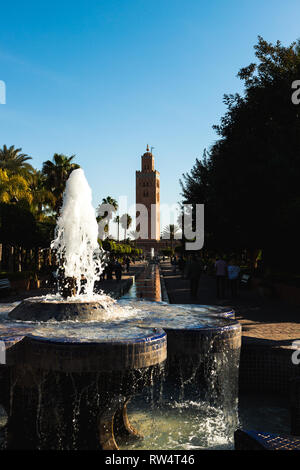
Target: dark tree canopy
x,y
18,226
249,179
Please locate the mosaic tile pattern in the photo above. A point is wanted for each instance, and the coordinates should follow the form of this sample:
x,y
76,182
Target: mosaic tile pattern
x,y
253,440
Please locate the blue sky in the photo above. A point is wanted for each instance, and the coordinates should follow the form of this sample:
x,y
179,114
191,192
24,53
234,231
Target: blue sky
x,y
101,79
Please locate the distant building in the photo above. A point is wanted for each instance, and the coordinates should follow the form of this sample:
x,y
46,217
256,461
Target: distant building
x,y
148,194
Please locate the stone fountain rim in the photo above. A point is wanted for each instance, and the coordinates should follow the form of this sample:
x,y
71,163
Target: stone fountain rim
x,y
231,326
159,332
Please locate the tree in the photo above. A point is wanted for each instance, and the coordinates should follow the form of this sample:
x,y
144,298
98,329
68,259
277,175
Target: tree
x,y
14,188
107,201
169,233
117,220
43,200
12,160
249,179
56,173
111,201
126,221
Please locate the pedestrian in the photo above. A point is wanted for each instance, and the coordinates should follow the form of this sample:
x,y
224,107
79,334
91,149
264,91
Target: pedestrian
x,y
83,282
118,270
109,270
221,276
127,262
233,277
194,272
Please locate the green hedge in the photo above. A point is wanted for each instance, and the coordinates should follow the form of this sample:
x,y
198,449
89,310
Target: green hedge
x,y
119,248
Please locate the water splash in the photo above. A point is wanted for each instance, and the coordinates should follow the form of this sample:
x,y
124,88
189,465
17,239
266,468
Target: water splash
x,y
76,236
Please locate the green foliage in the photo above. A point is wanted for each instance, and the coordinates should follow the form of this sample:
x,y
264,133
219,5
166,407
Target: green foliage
x,y
27,197
126,221
112,202
249,179
116,248
14,161
17,226
56,173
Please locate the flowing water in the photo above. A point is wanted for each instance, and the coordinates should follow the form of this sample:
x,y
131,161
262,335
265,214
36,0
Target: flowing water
x,y
191,425
120,320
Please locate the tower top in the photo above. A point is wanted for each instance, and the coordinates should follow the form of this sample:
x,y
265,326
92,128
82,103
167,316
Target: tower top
x,y
147,161
148,152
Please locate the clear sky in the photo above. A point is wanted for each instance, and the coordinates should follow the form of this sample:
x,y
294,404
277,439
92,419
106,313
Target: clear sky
x,y
103,78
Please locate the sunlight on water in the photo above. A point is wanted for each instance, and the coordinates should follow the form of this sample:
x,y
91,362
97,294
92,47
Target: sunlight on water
x,y
186,425
122,318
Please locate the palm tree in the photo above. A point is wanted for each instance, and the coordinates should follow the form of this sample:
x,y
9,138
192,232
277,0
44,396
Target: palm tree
x,y
114,204
111,201
134,234
126,221
56,173
117,220
12,160
42,199
169,233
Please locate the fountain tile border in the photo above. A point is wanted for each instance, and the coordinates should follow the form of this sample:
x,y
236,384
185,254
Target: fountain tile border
x,y
253,440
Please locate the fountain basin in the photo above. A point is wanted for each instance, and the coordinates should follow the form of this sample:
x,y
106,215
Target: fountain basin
x,y
188,341
65,387
90,368
146,348
203,354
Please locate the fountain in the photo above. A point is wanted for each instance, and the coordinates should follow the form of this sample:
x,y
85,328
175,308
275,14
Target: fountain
x,y
75,359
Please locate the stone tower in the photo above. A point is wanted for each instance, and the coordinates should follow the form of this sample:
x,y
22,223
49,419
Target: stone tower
x,y
148,193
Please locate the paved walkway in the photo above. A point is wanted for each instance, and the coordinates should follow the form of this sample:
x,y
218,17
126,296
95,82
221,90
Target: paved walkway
x,y
264,320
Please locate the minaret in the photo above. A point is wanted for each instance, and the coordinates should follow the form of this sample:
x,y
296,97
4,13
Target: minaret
x,y
148,193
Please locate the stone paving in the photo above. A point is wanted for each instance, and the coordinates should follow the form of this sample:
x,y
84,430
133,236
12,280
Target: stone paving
x,y
264,320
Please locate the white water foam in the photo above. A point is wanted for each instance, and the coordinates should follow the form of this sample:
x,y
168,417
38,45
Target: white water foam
x,y
76,241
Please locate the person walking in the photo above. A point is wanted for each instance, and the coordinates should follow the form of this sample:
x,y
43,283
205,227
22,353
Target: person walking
x,y
127,262
118,270
233,277
221,276
109,269
194,272
83,282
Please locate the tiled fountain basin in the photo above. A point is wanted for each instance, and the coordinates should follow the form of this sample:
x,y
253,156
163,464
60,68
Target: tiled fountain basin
x,y
74,378
203,350
35,309
61,392
70,356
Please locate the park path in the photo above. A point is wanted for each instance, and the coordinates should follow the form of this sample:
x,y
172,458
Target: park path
x,y
264,320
